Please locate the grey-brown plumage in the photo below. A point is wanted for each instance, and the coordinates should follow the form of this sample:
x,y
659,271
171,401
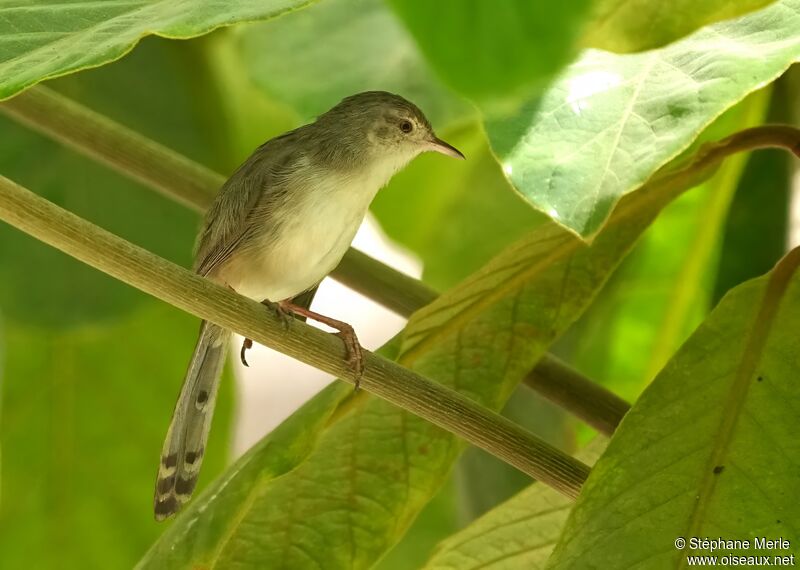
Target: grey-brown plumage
x,y
279,225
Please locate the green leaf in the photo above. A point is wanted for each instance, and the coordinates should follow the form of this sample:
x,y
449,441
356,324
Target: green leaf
x,y
42,40
711,447
618,26
610,121
520,533
372,471
664,289
357,45
494,51
84,414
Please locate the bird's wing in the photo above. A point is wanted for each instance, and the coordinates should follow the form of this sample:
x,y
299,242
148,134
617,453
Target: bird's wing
x,y
230,219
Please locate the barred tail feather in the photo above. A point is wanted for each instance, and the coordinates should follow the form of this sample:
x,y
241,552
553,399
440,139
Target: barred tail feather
x,y
184,447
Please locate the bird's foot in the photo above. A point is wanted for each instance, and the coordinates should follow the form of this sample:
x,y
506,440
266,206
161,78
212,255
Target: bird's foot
x,y
354,353
282,310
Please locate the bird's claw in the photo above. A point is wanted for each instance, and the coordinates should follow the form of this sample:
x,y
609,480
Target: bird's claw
x,y
247,344
354,353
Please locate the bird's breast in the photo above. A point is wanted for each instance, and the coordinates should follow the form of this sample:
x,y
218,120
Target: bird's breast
x,y
310,237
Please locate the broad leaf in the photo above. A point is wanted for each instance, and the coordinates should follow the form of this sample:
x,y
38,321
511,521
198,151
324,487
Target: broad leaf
x,y
520,533
610,121
664,289
618,25
41,40
711,447
494,51
373,470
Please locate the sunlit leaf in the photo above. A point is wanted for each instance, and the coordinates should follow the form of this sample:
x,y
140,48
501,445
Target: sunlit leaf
x,y
610,121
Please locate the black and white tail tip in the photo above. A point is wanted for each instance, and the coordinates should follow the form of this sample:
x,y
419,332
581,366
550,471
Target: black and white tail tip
x,y
174,490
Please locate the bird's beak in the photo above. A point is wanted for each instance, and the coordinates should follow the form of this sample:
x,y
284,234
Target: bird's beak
x,y
439,145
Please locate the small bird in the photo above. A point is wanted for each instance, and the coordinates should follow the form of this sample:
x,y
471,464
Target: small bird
x,y
278,226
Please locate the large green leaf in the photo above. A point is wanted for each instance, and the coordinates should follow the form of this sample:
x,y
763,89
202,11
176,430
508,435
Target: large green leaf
x,y
520,533
610,121
711,447
620,25
664,289
494,51
41,40
376,466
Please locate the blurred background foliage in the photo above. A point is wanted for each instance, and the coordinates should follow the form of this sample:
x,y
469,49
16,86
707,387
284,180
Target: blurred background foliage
x,y
91,367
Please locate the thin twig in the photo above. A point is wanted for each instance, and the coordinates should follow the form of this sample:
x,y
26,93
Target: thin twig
x,y
193,185
198,296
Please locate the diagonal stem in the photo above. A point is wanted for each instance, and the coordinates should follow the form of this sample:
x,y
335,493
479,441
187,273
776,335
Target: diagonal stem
x,y
199,296
193,185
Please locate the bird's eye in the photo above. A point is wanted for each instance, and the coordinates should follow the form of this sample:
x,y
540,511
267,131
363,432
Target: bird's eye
x,y
406,126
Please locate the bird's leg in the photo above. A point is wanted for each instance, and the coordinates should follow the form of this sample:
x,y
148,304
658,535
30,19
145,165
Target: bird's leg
x,y
355,354
283,314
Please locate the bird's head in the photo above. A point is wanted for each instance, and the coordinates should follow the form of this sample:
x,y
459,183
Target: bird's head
x,y
385,125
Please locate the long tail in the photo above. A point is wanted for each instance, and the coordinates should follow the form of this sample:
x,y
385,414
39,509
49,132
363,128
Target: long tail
x,y
183,449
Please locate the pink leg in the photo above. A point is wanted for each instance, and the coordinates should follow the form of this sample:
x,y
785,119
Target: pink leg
x,y
355,354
